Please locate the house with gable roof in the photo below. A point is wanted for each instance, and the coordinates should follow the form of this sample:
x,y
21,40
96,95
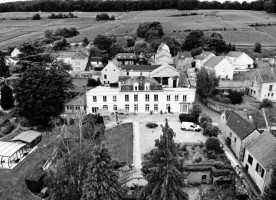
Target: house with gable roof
x,y
183,60
203,58
163,55
239,130
240,60
111,72
126,58
262,84
260,158
223,69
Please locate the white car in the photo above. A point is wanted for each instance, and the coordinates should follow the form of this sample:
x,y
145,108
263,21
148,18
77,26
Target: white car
x,y
188,126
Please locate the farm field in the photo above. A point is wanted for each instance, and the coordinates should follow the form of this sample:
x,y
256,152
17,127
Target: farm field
x,y
16,28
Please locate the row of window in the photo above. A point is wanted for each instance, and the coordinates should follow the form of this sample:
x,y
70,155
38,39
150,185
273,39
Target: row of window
x,y
147,98
270,94
258,168
74,108
147,107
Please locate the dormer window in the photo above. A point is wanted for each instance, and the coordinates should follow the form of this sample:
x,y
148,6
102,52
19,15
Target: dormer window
x,y
147,86
135,86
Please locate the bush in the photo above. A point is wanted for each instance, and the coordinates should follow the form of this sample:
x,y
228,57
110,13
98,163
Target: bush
x,y
151,125
92,82
211,131
198,160
150,30
62,16
187,118
258,47
228,141
6,97
7,127
212,144
34,178
226,100
130,42
235,97
104,16
36,17
266,103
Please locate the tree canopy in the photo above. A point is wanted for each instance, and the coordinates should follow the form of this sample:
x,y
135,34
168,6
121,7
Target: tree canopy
x,y
40,92
162,169
206,83
6,97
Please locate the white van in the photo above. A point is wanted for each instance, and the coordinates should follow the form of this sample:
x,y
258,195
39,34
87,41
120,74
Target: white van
x,y
189,126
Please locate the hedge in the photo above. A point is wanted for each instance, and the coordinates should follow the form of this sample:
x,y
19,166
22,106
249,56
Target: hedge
x,y
187,118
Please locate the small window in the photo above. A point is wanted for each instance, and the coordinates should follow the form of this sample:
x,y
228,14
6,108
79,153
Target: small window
x,y
127,107
156,97
104,98
147,97
94,98
268,94
147,108
250,160
135,107
260,170
114,98
105,107
168,97
235,139
176,98
136,97
126,97
184,97
114,107
155,107
105,76
127,73
230,134
270,87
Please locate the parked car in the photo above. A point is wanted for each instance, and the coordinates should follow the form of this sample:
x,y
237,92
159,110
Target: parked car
x,y
188,126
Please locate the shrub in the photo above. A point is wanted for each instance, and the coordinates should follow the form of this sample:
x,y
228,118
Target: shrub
x,y
130,42
187,118
151,125
211,131
150,30
62,16
235,97
198,160
36,17
266,103
212,144
104,16
92,82
226,100
228,141
34,178
6,97
201,145
7,127
258,47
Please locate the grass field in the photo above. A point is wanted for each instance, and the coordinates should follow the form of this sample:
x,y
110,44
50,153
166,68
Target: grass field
x,y
232,24
120,142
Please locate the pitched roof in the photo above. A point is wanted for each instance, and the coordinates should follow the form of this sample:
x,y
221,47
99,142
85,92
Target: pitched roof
x,y
234,54
184,54
77,101
227,114
267,74
128,56
256,118
239,125
96,59
127,83
139,67
80,55
270,114
214,61
27,136
203,55
226,84
163,46
263,148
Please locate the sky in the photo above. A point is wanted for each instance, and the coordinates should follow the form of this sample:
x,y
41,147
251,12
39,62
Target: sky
x,y
3,1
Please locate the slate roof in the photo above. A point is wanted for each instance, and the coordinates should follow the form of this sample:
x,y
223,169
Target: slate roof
x,y
139,67
77,101
184,54
256,118
214,61
96,59
270,114
234,54
127,83
263,148
203,55
126,56
27,136
267,74
226,84
239,125
227,114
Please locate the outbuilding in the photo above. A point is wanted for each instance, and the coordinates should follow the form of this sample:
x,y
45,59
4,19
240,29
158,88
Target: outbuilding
x,y
31,138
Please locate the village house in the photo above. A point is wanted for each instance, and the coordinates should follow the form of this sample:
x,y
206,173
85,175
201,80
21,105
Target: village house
x,y
223,69
76,105
240,132
184,60
78,61
203,58
260,158
262,84
96,63
240,60
163,55
13,59
111,72
126,58
140,94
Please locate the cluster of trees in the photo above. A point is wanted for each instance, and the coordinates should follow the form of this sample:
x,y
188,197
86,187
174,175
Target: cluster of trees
x,y
208,129
105,6
59,34
93,83
36,17
150,30
104,16
196,42
62,16
233,97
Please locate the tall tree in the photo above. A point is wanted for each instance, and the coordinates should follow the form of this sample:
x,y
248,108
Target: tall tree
x,y
102,181
4,69
196,111
206,83
40,92
6,97
270,192
162,169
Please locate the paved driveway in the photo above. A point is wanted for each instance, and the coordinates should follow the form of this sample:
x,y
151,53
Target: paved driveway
x,y
148,136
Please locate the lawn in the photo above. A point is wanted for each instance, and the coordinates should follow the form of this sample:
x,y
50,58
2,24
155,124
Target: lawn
x,y
119,141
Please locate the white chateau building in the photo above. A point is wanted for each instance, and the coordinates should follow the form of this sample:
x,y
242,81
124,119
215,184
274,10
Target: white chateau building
x,y
140,94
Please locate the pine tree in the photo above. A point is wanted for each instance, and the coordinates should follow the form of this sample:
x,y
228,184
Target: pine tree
x,y
6,97
162,169
101,182
270,193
